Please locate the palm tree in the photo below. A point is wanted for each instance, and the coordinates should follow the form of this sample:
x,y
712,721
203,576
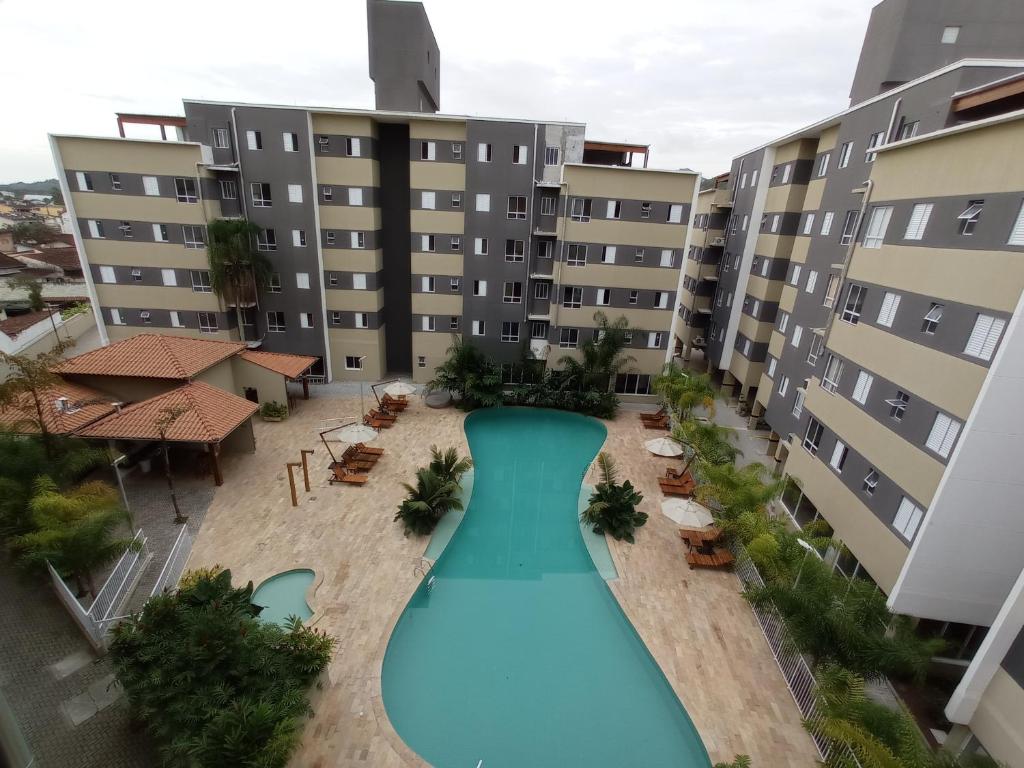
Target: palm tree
x,y
603,357
447,465
468,374
683,390
75,530
238,272
732,491
707,442
429,500
740,761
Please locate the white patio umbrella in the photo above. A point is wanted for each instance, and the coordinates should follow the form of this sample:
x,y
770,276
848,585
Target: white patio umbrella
x,y
398,388
356,433
687,513
664,446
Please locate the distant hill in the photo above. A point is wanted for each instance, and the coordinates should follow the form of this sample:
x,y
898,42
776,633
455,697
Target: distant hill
x,y
20,188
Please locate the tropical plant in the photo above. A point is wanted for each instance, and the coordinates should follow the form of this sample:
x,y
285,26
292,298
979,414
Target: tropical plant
x,y
29,377
447,465
706,442
601,357
730,490
740,761
470,375
555,390
612,507
238,271
684,390
273,410
75,531
429,500
213,684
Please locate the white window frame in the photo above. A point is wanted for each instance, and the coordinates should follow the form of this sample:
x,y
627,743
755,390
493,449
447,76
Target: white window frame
x,y
253,141
887,312
832,374
808,224
918,222
908,518
483,152
480,246
877,226
826,223
984,336
839,454
483,202
479,287
290,141
428,201
812,281
943,434
862,389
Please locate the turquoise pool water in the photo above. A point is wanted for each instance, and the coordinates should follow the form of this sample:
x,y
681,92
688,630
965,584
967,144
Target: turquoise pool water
x,y
284,595
518,654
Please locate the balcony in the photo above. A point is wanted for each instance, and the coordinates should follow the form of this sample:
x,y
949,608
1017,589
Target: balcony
x,y
542,269
538,309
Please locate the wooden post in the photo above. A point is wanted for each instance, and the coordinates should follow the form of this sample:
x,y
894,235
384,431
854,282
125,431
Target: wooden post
x,y
291,481
305,466
305,388
218,478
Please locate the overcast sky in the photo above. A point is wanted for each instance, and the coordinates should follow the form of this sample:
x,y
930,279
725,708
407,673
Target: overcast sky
x,y
699,80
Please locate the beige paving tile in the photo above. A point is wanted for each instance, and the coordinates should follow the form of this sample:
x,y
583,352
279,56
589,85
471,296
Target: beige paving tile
x,y
695,623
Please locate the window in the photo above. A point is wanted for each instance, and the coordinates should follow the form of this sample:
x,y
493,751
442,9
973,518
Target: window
x,y
786,169
675,213
330,237
823,164
655,339
354,363
201,281
870,482
638,256
783,321
266,240
908,130
150,185
984,336
512,293
455,284
943,434
887,312
568,338
125,228
323,143
359,281
908,518
254,140
274,283
428,200
328,194
604,297
833,374
645,210
428,150
798,334
483,153
456,243
539,330
519,154
176,320
746,220
96,229
743,181
479,287
838,456
765,266
169,277
812,281
614,209
541,290
479,328
335,317
185,190
849,228
576,254
551,155
950,35
1017,233
456,150
480,246
207,322
510,331
357,239
854,304
136,273
427,323
548,205
814,348
302,280
116,317
608,254
581,209
844,154
306,320
260,194
193,235
794,279
862,388
160,233
332,279
772,362
826,223
969,218
634,297
427,243
783,383
632,384
876,140
352,147
220,138
808,223
812,437
362,320
291,141
898,405
228,190
572,297
667,258
932,318
453,323
427,284
798,403
275,322
107,275
483,203
661,299
918,221
877,225
831,291
299,238
753,178
294,193
515,250
115,182
84,181
456,200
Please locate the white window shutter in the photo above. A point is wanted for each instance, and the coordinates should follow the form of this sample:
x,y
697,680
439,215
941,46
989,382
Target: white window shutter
x,y
837,454
796,275
359,282
169,277
984,337
918,221
890,303
798,332
428,200
812,280
150,185
610,214
355,196
355,147
675,213
863,387
483,202
294,193
302,279
107,275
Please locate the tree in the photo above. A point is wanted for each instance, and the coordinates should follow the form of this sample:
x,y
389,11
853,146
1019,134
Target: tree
x,y
731,491
74,530
31,376
447,465
612,507
34,233
34,288
683,390
603,356
166,418
429,500
470,375
56,196
215,685
238,272
706,442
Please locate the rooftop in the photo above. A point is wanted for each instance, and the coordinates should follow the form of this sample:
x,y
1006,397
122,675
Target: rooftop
x,y
16,324
291,366
66,407
151,356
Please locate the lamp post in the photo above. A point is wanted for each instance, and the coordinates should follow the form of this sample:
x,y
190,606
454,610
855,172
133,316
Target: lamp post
x,y
809,549
116,464
362,407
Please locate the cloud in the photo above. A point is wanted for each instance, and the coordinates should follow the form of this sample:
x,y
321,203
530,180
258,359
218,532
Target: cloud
x,y
700,82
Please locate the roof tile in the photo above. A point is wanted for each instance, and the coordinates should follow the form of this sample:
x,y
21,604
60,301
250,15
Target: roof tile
x,y
151,356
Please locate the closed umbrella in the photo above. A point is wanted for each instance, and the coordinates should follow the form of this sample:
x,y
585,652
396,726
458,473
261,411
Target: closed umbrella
x,y
399,388
664,446
687,513
356,433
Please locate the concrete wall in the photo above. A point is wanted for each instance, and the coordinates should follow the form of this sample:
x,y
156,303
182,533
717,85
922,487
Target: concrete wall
x,y
405,62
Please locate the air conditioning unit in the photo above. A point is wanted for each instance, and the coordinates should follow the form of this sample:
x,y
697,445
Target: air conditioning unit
x,y
124,227
144,315
718,242
323,140
699,341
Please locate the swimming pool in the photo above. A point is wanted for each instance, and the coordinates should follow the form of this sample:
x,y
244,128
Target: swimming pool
x,y
518,654
284,595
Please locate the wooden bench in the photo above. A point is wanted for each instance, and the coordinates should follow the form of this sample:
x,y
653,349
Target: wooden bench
x,y
720,558
675,489
659,424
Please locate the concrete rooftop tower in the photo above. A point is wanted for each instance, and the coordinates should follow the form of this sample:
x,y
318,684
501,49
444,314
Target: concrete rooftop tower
x,y
405,62
906,39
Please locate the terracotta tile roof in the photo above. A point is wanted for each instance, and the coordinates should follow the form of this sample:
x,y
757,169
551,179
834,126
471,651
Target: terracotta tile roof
x,y
16,324
8,262
23,418
291,366
210,415
65,258
151,356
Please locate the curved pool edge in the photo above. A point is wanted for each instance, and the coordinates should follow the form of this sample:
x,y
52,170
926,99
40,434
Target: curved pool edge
x,y
314,586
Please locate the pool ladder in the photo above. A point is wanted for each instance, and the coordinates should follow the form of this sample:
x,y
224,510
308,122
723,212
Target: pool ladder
x,y
423,568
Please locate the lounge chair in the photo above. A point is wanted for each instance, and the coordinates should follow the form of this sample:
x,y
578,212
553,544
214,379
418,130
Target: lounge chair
x,y
340,474
675,489
354,453
364,448
719,558
393,403
658,416
375,423
381,416
660,424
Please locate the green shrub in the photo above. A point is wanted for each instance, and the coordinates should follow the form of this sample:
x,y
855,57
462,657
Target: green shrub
x,y
273,410
612,507
429,500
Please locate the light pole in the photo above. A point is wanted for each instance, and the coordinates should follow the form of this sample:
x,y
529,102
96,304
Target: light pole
x,y
116,464
362,407
809,549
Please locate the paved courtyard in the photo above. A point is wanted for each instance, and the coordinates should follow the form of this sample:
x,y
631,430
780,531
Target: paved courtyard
x,y
696,624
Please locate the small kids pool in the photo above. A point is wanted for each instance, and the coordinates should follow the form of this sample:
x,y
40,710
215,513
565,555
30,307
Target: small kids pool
x,y
516,653
284,595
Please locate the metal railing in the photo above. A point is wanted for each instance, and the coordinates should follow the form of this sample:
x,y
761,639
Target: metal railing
x,y
170,574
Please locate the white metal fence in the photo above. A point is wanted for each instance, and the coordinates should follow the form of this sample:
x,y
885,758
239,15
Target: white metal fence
x,y
175,565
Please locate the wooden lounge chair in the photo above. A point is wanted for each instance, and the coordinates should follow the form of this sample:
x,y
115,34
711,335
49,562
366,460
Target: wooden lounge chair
x,y
375,423
658,416
341,475
393,403
381,416
354,453
719,558
367,450
675,489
